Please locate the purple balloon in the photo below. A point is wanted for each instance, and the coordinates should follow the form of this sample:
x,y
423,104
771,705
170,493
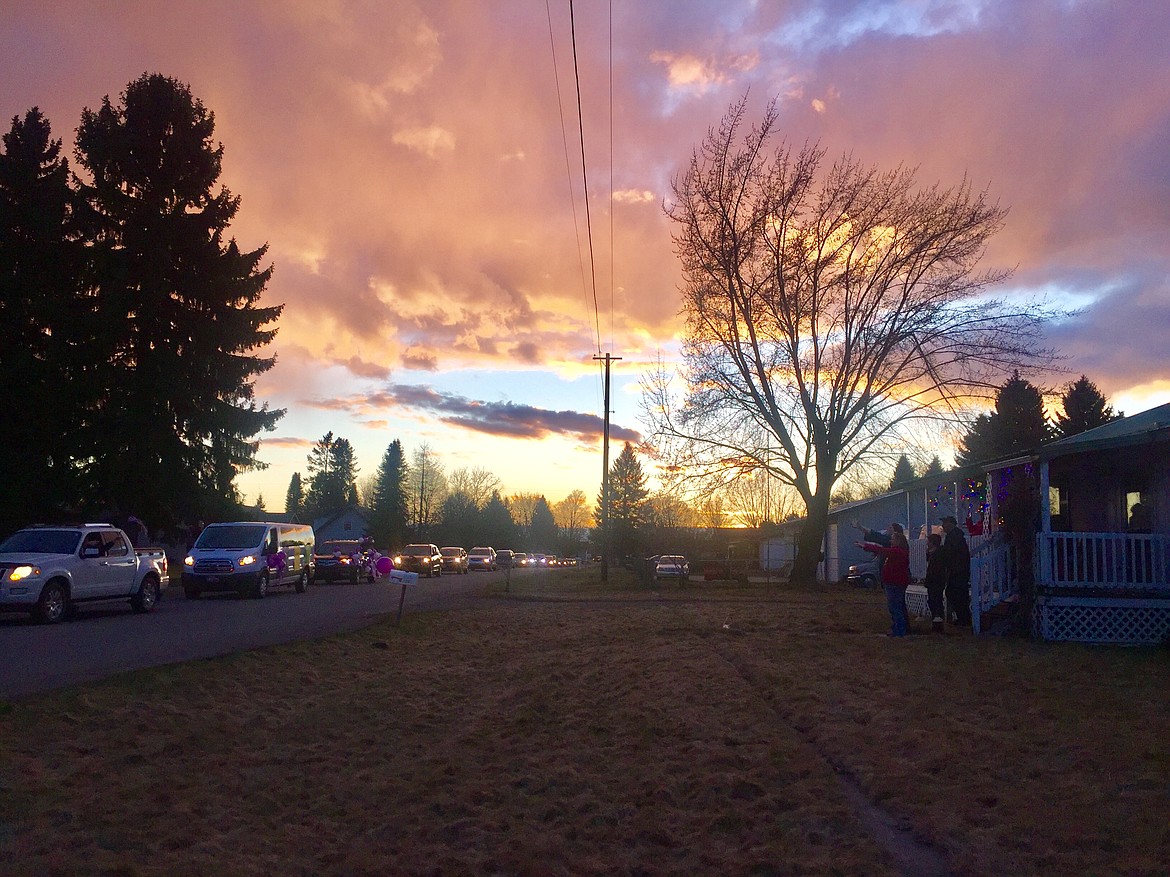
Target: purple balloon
x,y
384,565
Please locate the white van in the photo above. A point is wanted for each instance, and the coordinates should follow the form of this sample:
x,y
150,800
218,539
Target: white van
x,y
249,557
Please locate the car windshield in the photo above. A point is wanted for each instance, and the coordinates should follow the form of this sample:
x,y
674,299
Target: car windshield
x,y
450,552
340,546
41,542
481,552
671,558
232,536
417,550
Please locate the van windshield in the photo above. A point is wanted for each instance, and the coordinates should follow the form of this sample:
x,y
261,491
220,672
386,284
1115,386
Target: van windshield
x,y
232,536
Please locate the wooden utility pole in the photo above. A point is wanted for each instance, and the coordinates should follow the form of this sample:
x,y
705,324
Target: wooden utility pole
x,y
605,473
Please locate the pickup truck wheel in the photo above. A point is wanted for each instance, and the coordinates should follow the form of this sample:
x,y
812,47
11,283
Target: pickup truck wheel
x,y
52,604
302,584
146,597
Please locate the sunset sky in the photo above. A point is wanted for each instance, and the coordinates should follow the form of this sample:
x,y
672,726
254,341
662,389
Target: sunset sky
x,y
420,188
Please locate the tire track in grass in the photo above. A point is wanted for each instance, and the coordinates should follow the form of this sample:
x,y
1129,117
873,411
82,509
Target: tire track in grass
x,y
911,857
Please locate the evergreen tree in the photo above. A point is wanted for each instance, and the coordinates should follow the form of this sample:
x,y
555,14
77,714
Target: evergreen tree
x,y
388,504
498,527
294,499
934,467
459,521
1083,407
43,311
176,300
543,533
1016,426
903,472
332,476
627,491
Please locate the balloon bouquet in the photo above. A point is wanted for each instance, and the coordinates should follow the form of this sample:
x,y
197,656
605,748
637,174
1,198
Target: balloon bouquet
x,y
376,565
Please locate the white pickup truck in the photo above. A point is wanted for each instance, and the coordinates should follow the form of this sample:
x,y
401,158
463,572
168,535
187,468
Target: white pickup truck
x,y
48,570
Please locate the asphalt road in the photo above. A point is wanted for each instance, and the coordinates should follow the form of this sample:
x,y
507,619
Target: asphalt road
x,y
111,639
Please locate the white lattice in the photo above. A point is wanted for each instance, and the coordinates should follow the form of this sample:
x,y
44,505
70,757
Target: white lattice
x,y
916,603
1102,620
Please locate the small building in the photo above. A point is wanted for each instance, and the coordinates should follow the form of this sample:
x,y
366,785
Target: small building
x,y
352,522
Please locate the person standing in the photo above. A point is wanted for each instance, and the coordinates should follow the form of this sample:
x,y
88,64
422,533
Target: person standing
x,y
895,575
139,536
935,581
957,562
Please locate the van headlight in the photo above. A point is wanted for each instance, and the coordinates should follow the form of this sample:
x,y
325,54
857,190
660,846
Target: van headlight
x,y
22,572
247,560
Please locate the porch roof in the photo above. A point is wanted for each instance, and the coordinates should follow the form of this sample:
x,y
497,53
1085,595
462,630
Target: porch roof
x,y
1146,427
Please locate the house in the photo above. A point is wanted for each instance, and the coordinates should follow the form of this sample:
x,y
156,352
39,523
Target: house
x,y
352,522
1102,554
1076,533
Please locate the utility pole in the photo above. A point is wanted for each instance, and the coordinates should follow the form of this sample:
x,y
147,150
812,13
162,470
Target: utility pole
x,y
605,473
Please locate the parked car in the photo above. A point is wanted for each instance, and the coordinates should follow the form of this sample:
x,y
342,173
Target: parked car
x,y
672,566
481,558
338,559
48,570
249,557
423,558
505,559
454,559
866,574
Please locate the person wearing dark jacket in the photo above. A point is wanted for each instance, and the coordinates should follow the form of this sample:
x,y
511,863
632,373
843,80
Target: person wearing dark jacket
x,y
935,581
895,575
957,562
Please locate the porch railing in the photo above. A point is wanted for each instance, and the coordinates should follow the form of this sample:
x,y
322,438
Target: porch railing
x,y
993,578
1120,561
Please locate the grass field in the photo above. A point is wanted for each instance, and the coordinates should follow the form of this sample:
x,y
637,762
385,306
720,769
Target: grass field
x,y
569,727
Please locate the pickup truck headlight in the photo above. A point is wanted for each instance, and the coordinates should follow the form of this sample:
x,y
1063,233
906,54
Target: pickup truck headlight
x,y
247,560
22,572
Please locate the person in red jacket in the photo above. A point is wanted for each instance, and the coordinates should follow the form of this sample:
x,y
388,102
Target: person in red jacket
x,y
895,576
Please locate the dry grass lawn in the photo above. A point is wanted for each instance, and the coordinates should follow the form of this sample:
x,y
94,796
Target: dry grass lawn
x,y
567,728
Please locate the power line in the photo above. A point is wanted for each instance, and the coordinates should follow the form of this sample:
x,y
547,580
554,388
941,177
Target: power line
x,y
585,175
569,172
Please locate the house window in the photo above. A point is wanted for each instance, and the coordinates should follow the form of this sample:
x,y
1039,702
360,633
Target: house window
x,y
1058,506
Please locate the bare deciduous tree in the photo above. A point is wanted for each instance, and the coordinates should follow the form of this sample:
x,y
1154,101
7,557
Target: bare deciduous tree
x,y
825,309
426,486
476,484
572,513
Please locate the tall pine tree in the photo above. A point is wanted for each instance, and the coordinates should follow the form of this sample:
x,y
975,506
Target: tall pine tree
x,y
44,359
1016,426
177,302
1083,407
332,477
294,500
627,493
389,505
903,472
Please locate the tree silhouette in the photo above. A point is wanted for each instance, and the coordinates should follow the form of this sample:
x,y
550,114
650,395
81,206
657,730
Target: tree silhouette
x,y
627,491
827,310
1016,426
46,356
903,472
543,532
332,476
1083,407
176,302
294,499
389,504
